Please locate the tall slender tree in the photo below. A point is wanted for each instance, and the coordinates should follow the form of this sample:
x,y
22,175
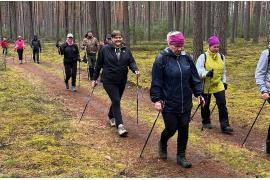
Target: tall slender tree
x,y
126,23
31,25
93,20
170,16
257,16
246,20
197,29
235,20
221,28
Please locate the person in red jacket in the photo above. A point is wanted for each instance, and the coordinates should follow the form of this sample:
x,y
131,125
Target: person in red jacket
x,y
4,45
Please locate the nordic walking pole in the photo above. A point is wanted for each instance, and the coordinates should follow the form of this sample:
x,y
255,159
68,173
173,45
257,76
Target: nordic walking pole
x,y
64,73
213,109
253,124
200,104
80,73
86,104
137,93
149,134
5,62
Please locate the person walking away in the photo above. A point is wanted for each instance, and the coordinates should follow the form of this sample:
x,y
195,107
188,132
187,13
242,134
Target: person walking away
x,y
4,45
90,45
174,80
71,54
36,47
115,59
19,47
262,77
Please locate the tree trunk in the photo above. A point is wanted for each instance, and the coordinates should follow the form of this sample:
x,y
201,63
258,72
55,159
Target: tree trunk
x,y
184,17
148,21
170,16
208,20
126,23
93,20
74,19
197,29
246,20
66,17
235,20
31,32
257,16
1,24
268,22
58,22
221,28
108,17
134,22
177,15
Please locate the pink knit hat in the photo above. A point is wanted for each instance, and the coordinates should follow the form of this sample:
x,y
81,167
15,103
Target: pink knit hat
x,y
213,40
175,38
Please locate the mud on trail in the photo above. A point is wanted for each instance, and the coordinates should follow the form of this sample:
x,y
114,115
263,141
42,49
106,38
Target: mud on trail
x,y
96,132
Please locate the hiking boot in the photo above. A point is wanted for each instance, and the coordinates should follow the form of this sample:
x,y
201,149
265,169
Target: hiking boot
x,y
162,151
207,126
227,130
112,122
182,161
20,61
67,86
73,89
122,131
268,146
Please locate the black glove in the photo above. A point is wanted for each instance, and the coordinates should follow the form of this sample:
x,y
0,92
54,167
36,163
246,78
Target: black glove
x,y
210,73
57,45
225,86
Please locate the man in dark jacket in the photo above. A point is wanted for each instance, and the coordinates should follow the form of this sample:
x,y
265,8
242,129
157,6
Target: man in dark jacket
x,y
115,59
71,54
36,47
174,80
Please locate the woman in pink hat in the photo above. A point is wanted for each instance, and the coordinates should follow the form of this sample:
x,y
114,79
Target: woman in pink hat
x,y
212,70
174,80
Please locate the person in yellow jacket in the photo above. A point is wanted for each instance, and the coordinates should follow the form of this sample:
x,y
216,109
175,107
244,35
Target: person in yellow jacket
x,y
212,70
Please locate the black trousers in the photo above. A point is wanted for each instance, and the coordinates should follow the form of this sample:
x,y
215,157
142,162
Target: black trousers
x,y
115,92
71,71
20,53
222,109
91,58
5,51
36,55
176,122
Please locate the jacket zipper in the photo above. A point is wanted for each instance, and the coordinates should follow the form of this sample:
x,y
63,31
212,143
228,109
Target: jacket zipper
x,y
181,82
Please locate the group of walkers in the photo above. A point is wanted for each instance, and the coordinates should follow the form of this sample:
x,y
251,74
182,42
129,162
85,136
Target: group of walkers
x,y
19,47
175,78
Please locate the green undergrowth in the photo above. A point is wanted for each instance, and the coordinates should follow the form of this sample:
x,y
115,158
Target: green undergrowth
x,y
38,138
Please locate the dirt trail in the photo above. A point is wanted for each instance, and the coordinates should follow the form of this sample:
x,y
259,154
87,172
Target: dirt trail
x,y
150,165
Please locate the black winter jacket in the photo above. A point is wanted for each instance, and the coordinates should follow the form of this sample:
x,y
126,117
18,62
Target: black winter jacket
x,y
114,71
71,53
35,44
174,79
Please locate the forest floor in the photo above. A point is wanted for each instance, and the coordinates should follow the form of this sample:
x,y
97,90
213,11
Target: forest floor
x,y
41,136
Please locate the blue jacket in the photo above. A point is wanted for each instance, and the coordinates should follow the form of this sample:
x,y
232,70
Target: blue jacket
x,y
174,79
